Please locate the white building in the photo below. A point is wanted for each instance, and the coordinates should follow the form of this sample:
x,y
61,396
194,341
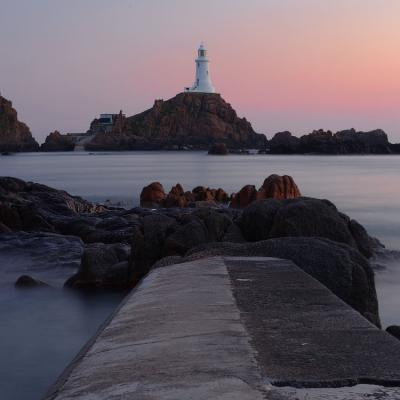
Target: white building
x,y
202,81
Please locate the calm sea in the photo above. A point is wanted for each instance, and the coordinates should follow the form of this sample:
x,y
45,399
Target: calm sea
x,y
44,330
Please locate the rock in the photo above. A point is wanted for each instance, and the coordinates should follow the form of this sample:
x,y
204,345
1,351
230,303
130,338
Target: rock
x,y
284,143
152,195
219,149
325,142
33,207
14,135
303,216
394,330
246,195
148,243
188,120
338,266
26,281
279,187
185,237
176,197
275,186
57,142
102,266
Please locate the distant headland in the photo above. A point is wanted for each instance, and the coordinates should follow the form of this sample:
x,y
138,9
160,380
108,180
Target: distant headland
x,y
196,119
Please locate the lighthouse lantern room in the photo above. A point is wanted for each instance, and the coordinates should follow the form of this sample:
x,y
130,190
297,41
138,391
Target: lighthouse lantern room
x,y
202,81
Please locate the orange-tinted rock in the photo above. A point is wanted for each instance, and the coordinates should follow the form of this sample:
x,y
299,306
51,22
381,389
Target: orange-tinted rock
x,y
244,197
176,197
279,187
153,195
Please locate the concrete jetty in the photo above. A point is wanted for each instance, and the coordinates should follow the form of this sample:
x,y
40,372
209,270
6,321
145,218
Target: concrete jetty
x,y
233,328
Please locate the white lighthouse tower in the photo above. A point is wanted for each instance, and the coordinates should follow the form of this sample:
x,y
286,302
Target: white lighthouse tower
x,y
202,82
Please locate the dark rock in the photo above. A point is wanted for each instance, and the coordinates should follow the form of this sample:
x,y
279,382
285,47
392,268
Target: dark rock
x,y
148,244
103,266
26,281
57,142
219,149
33,207
14,135
394,330
284,143
188,120
338,266
304,216
185,237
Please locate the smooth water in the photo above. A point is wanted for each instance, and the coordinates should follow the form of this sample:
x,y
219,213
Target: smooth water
x,y
365,187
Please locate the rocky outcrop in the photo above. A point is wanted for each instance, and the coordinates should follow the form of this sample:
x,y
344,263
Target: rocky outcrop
x,y
325,142
154,196
14,135
306,217
188,120
34,207
274,187
103,266
120,246
55,141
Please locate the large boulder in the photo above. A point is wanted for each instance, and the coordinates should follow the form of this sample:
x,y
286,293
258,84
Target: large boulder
x,y
274,187
171,235
338,266
303,216
152,195
279,187
103,266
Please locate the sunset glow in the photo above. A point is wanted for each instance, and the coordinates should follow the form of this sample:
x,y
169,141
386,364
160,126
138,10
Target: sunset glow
x,y
284,64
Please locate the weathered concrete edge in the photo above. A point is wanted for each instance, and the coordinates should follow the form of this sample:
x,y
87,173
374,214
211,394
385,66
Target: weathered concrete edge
x,y
52,392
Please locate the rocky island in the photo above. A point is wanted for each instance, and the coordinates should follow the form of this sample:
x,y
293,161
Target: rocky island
x,y
188,120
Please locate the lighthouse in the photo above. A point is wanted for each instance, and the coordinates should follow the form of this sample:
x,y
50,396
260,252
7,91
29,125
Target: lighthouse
x,y
202,81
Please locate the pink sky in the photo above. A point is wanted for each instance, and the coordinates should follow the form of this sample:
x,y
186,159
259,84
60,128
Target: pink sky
x,y
283,64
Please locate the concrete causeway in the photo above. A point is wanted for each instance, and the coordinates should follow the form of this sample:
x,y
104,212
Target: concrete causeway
x,y
233,328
